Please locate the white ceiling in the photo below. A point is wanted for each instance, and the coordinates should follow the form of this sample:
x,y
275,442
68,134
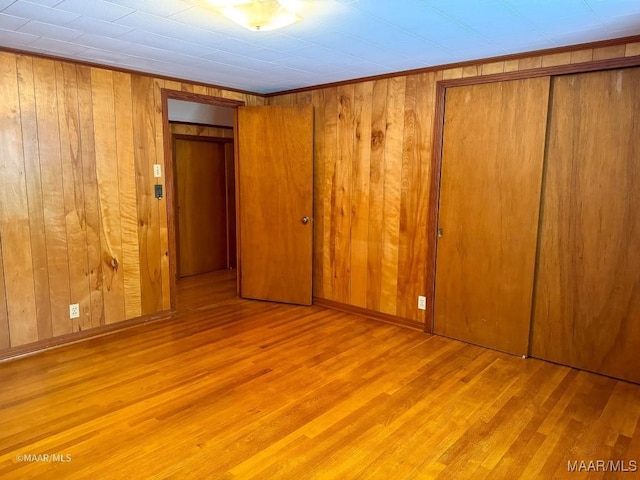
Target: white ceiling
x,y
337,39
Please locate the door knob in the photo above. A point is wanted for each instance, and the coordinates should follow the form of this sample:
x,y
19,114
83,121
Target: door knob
x,y
305,220
440,233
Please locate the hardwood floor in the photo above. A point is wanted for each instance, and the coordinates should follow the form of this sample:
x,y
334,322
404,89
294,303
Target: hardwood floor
x,y
244,389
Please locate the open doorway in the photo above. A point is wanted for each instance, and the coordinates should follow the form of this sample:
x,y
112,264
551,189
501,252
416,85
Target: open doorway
x,y
199,136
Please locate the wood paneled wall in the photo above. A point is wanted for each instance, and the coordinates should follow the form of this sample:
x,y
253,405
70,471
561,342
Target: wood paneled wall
x,y
79,222
373,157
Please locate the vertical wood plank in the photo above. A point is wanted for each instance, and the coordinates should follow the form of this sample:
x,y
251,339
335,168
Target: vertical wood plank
x,y
148,212
163,228
362,107
108,190
128,198
319,182
74,204
327,191
392,193
5,338
376,193
14,213
53,187
341,198
412,255
91,195
30,145
419,207
409,153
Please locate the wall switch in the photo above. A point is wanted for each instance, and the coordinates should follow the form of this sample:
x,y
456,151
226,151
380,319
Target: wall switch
x,y
74,310
422,302
157,170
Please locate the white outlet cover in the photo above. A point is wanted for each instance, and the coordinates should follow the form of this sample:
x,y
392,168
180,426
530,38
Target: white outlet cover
x,y
74,310
422,302
157,170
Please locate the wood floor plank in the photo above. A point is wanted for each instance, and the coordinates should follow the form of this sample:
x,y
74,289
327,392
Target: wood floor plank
x,y
231,388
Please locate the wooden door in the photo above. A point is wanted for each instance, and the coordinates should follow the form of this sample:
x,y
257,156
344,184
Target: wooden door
x,y
587,306
202,216
275,182
493,151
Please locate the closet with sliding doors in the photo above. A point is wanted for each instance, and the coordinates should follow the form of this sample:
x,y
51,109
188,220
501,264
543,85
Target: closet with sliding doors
x,y
538,221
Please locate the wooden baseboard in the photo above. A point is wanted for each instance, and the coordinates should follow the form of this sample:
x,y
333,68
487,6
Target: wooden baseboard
x,y
363,312
20,351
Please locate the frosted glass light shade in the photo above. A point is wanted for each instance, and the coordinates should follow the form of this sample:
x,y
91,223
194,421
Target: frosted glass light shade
x,y
258,15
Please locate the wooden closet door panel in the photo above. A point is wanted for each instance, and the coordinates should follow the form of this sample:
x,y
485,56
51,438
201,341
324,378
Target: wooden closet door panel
x,y
202,206
587,306
493,152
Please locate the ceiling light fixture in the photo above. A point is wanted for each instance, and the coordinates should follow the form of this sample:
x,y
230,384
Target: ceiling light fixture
x,y
259,15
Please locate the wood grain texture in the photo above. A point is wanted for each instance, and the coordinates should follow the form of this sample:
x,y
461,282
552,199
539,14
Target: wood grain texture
x,y
34,193
53,201
588,301
632,49
275,183
110,214
148,214
202,206
611,51
492,160
91,196
376,194
227,384
360,199
200,130
5,337
392,193
74,202
230,187
330,152
414,202
341,195
72,182
163,217
128,194
357,130
325,105
319,199
14,213
367,189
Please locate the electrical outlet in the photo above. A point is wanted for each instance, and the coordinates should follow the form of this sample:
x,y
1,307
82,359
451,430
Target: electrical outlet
x,y
74,310
422,302
157,170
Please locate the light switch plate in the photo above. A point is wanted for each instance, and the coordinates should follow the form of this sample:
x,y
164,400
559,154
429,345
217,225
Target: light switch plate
x,y
157,170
